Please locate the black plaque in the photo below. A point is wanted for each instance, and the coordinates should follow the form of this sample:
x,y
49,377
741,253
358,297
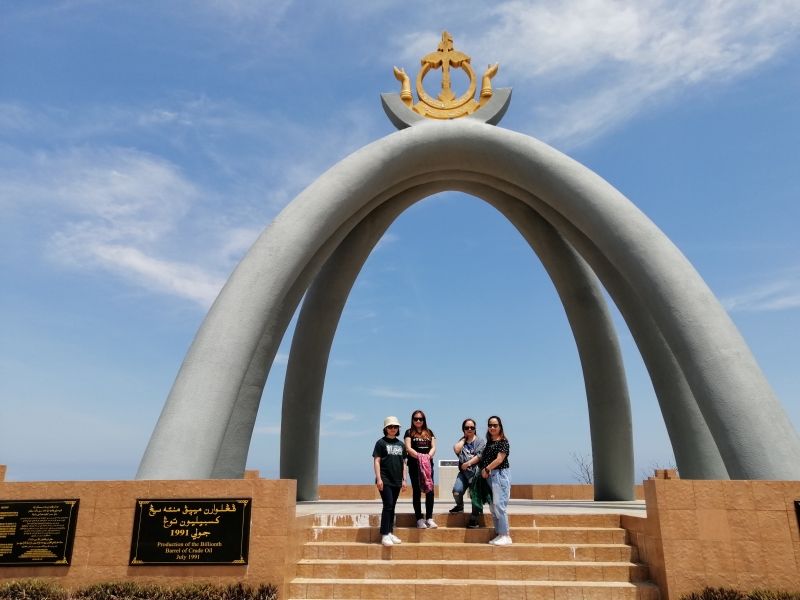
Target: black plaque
x,y
190,531
37,532
797,510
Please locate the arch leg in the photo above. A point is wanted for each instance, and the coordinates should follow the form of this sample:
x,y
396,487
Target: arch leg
x,y
696,452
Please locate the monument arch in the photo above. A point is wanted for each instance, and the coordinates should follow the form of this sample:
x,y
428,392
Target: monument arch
x,y
721,414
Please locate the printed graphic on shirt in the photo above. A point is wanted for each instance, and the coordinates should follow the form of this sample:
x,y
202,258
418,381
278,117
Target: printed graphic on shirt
x,y
394,450
419,442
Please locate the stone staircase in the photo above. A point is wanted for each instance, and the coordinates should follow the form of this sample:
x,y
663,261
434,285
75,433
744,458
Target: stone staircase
x,y
554,557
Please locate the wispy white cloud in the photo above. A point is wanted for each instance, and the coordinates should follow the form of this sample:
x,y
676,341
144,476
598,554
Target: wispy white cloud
x,y
779,294
158,275
385,392
595,64
113,209
140,216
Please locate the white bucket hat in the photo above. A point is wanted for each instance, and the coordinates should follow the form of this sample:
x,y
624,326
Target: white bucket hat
x,y
390,421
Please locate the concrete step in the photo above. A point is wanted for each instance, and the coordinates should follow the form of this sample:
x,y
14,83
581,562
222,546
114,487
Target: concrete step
x,y
444,551
471,569
479,589
460,520
456,535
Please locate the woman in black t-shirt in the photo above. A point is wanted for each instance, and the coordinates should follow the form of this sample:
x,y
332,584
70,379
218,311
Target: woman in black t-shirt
x,y
420,440
388,460
494,468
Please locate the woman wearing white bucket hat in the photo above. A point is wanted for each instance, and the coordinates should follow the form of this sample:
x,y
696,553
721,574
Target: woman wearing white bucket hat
x,y
389,462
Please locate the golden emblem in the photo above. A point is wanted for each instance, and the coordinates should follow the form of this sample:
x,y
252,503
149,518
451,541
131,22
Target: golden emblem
x,y
446,105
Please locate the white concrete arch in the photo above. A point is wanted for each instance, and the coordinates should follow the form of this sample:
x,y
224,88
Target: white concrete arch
x,y
237,341
584,304
696,453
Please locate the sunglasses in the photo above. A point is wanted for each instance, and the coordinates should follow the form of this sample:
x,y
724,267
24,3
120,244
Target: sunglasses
x,y
420,419
494,424
393,427
469,428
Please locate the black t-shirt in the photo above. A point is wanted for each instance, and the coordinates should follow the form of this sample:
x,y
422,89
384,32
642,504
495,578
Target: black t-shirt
x,y
418,442
392,452
493,448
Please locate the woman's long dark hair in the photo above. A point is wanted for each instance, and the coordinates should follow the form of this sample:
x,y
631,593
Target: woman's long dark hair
x,y
501,434
424,431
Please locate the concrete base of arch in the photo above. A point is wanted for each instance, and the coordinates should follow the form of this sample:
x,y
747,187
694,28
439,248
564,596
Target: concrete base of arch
x,y
226,367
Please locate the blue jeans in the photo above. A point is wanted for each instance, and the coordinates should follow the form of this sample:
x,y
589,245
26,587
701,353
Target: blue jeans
x,y
500,483
460,488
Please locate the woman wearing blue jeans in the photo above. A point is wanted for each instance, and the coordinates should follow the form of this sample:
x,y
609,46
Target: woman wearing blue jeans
x,y
494,468
468,449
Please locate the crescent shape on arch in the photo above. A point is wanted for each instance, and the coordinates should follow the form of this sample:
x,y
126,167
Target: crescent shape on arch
x,y
402,117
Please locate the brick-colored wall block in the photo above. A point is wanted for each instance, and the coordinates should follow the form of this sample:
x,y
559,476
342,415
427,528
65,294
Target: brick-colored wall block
x,y
744,525
769,495
679,524
774,525
709,494
678,494
739,495
712,524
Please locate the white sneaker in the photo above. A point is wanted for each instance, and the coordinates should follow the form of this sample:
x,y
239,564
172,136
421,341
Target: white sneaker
x,y
387,540
494,541
395,539
505,540
431,524
421,524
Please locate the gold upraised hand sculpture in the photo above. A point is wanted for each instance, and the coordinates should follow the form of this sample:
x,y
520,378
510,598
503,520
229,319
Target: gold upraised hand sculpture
x,y
405,86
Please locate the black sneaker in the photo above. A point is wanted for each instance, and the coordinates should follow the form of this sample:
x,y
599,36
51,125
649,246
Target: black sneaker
x,y
458,508
473,523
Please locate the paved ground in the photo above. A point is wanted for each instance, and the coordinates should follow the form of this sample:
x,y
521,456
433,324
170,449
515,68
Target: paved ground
x,y
516,507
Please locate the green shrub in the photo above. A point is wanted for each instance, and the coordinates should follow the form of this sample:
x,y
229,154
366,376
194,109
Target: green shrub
x,y
710,593
126,590
31,589
773,595
195,591
238,591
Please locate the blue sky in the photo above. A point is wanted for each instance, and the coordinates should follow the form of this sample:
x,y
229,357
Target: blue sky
x,y
144,145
